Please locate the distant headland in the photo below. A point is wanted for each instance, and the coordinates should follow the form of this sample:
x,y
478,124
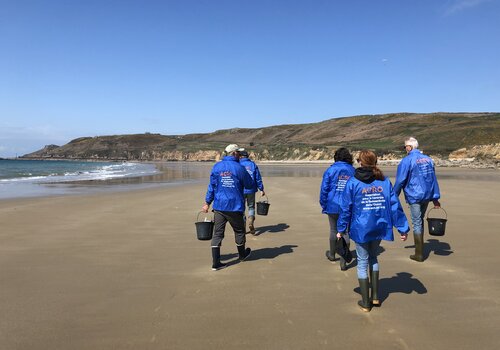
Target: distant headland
x,y
461,138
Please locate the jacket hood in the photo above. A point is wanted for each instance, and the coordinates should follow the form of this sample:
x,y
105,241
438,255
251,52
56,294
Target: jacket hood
x,y
365,175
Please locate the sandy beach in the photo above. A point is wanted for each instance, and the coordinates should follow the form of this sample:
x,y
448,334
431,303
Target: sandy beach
x,y
125,271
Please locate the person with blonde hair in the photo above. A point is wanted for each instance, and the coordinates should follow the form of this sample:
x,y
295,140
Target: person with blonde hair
x,y
416,176
370,208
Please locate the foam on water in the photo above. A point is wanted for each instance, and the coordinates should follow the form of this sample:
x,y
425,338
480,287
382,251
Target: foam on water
x,y
34,178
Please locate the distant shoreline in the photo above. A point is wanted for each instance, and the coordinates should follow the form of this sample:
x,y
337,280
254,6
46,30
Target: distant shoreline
x,y
447,163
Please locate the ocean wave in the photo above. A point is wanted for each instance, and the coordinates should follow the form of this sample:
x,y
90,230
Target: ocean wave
x,y
99,172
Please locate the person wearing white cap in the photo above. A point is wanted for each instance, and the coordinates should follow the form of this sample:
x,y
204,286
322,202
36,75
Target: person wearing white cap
x,y
228,180
416,176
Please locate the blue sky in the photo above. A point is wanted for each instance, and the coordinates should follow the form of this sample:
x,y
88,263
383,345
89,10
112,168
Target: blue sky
x,y
86,68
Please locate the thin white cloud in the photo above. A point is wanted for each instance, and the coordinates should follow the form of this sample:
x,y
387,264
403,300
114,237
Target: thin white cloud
x,y
461,5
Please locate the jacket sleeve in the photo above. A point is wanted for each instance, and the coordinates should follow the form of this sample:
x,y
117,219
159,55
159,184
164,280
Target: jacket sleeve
x,y
326,186
402,176
435,188
209,197
398,216
247,179
258,179
346,204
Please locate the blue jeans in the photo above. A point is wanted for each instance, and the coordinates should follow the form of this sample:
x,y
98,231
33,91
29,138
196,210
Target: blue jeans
x,y
250,199
366,253
417,211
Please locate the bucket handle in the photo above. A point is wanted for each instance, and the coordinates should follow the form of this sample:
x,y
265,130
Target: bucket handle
x,y
445,213
198,216
266,200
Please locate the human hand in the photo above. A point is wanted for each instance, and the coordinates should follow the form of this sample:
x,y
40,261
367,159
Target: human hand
x,y
339,235
204,208
404,237
437,205
262,193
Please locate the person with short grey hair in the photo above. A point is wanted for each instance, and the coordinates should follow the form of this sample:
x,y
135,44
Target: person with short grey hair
x,y
416,176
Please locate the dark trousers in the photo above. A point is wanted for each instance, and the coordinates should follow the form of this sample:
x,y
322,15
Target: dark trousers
x,y
235,219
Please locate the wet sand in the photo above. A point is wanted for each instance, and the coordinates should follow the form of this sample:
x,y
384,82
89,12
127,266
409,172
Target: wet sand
x,y
125,271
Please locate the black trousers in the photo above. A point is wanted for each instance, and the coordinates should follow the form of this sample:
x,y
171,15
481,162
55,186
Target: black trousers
x,y
235,219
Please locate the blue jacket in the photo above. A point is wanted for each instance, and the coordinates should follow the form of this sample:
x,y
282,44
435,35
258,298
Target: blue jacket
x,y
227,181
371,210
417,177
332,186
254,172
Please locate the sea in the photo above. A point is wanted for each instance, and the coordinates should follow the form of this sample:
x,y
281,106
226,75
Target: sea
x,y
35,178
32,178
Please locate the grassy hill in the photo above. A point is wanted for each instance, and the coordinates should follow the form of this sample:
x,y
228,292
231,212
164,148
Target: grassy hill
x,y
438,134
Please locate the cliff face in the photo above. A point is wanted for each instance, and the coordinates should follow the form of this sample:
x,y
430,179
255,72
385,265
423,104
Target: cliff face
x,y
465,135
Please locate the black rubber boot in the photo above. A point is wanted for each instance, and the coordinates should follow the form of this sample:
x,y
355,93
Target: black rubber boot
x,y
419,248
364,303
216,265
244,253
330,254
374,288
251,227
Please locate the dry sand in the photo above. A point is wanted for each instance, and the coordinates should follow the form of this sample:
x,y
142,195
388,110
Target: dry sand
x,y
125,271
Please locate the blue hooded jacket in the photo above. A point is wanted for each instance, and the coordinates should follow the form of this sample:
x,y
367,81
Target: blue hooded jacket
x,y
371,210
227,181
417,177
253,171
332,186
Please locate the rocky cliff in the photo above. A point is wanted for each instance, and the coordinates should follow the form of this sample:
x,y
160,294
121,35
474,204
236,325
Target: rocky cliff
x,y
462,136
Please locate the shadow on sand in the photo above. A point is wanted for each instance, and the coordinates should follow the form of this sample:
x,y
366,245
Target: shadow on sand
x,y
271,253
271,228
401,283
257,254
434,245
439,248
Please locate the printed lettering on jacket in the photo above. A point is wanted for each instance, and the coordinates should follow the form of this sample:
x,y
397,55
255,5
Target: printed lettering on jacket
x,y
342,180
373,198
226,178
425,166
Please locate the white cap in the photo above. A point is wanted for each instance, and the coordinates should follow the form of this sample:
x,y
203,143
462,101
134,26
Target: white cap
x,y
233,148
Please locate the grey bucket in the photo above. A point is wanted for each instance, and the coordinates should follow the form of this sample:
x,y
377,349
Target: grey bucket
x,y
205,228
263,206
437,226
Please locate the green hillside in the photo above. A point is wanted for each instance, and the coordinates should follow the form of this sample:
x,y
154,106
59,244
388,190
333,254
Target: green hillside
x,y
438,134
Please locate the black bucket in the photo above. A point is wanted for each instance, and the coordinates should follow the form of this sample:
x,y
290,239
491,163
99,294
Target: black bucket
x,y
205,228
437,226
263,207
